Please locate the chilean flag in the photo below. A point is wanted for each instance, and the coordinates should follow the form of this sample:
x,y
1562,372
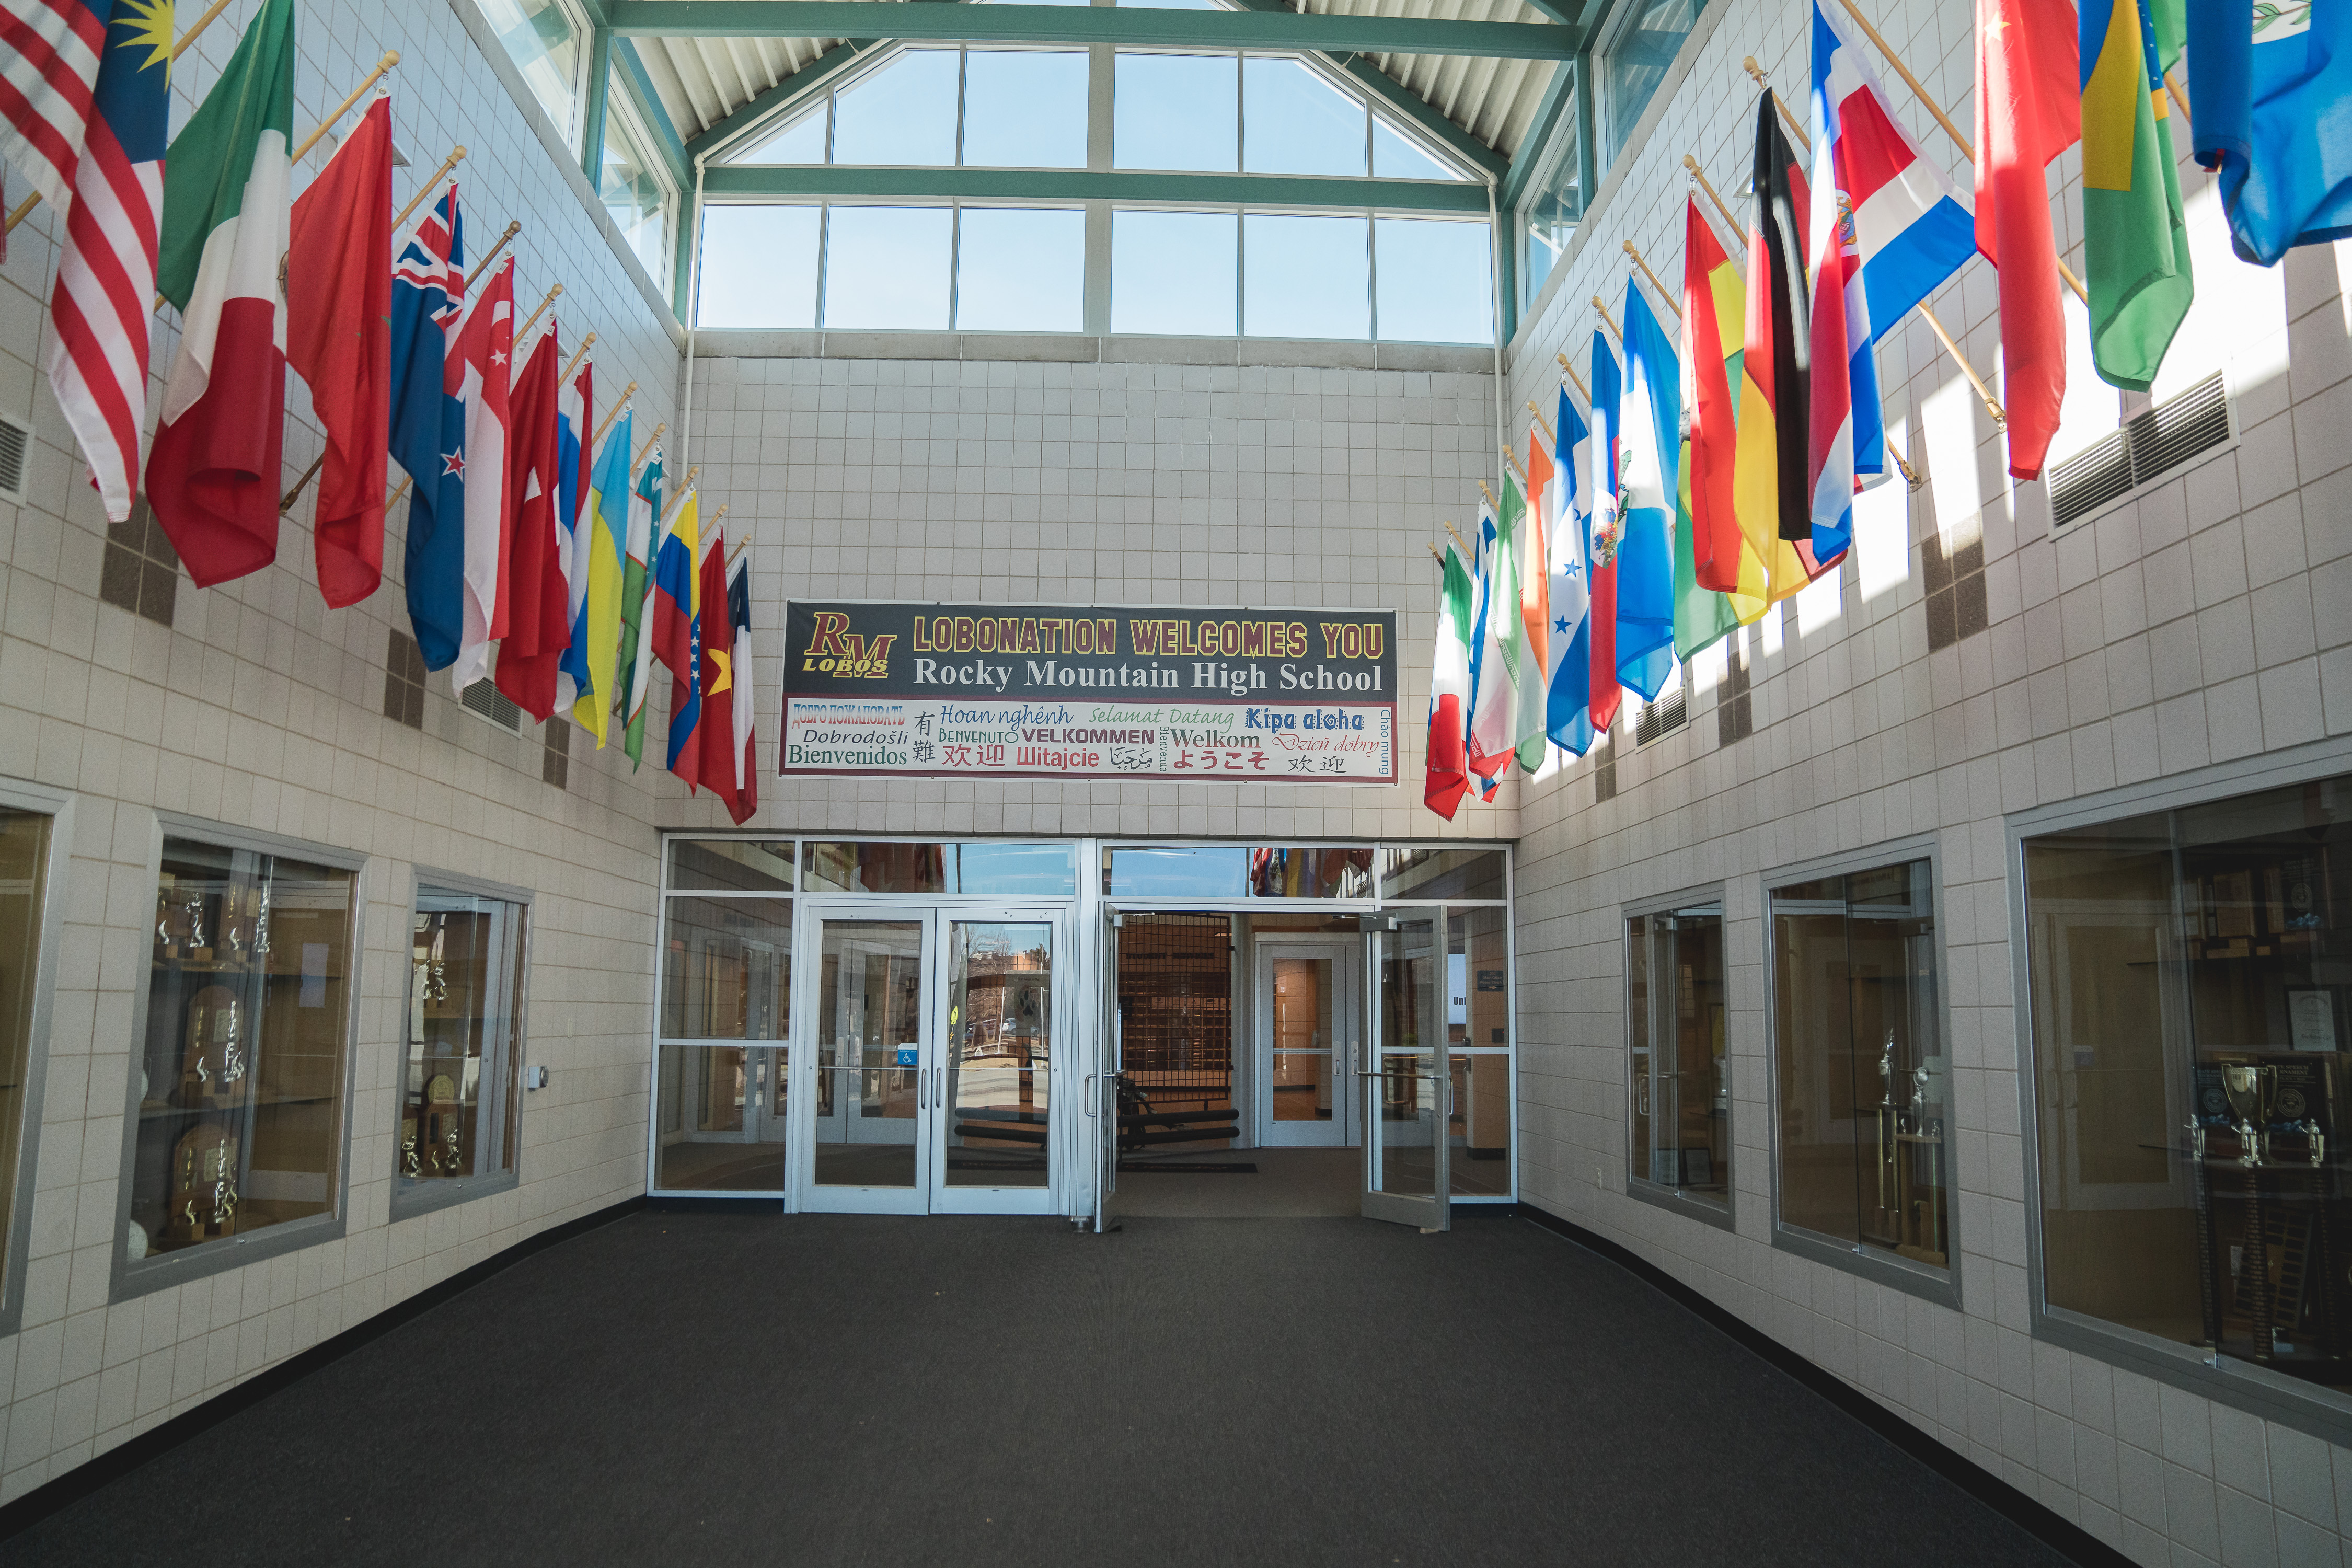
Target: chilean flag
x,y
428,423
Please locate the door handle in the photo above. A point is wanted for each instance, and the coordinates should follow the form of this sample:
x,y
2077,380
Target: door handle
x,y
1091,1078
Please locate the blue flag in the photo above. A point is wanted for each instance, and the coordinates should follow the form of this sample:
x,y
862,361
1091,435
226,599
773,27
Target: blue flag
x,y
1485,564
1568,691
2273,115
1649,442
429,425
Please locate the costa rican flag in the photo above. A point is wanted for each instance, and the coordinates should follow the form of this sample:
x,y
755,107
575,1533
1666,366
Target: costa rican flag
x,y
94,144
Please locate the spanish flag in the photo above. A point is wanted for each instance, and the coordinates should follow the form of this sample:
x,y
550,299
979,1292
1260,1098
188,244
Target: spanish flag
x,y
2135,238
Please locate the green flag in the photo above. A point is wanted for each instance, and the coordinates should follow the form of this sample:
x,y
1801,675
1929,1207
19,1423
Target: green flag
x,y
2135,238
1702,616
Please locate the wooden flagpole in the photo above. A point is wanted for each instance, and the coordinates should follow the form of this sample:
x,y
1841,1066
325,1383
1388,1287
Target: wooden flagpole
x,y
1605,316
524,330
685,488
648,446
1582,391
1549,433
1462,543
391,59
578,354
1671,303
1739,236
1434,553
1516,467
456,156
615,412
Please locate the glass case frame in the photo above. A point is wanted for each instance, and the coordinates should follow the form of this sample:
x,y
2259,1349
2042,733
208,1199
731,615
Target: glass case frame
x,y
57,806
137,1277
1723,1215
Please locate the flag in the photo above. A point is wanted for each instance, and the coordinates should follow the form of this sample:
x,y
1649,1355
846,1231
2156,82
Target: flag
x,y
47,91
1535,608
747,760
1912,227
339,340
2029,110
1446,778
1568,670
2271,120
725,728
1702,616
575,415
1648,454
1486,535
1843,436
1603,537
636,655
113,206
214,471
531,579
428,423
2135,234
678,632
606,530
1494,715
1723,558
479,375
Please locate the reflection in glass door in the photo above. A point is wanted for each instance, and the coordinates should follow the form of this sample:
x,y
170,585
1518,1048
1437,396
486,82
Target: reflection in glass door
x,y
869,1091
1308,1044
1404,1089
995,1082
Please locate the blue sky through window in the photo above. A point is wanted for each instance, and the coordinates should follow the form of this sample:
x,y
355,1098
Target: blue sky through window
x,y
1305,277
886,268
801,141
1175,112
1024,110
1296,122
758,266
1435,281
1021,269
903,113
1172,273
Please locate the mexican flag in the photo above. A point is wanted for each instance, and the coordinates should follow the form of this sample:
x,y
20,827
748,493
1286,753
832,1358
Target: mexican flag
x,y
1445,778
213,474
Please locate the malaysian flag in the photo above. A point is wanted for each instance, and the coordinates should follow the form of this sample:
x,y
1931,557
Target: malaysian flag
x,y
112,196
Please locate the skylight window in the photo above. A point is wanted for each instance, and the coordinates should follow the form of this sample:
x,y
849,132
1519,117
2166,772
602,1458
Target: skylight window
x,y
1176,111
1021,269
758,266
1435,280
1396,157
1174,273
1305,277
801,141
1296,122
903,113
886,268
1024,108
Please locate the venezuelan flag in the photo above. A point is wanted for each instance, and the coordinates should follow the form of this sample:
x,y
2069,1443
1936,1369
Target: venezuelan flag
x,y
2135,238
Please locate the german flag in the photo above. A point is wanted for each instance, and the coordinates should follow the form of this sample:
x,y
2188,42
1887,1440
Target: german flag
x,y
1770,489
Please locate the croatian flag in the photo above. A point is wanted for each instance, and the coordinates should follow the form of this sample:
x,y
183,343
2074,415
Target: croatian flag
x,y
1568,669
429,425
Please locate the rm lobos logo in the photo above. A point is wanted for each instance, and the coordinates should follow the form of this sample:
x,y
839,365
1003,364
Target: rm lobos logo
x,y
834,649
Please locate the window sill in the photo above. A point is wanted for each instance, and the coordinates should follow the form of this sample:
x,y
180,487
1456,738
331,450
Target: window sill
x,y
1674,1201
1084,347
161,1271
1941,1286
409,1199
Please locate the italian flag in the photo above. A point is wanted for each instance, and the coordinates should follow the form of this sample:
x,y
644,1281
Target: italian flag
x,y
1446,778
213,475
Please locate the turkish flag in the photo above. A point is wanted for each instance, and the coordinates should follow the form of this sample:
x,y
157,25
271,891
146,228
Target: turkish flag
x,y
339,340
2029,110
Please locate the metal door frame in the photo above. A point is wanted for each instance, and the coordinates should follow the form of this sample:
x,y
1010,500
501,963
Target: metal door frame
x,y
1059,1124
805,1193
1347,952
1432,1213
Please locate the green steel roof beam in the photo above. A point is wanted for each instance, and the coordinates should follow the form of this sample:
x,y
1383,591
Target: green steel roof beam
x,y
738,181
809,80
1556,99
1135,26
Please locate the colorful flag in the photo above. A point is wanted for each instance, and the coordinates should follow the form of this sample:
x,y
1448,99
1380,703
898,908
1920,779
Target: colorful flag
x,y
479,375
677,631
213,471
1603,536
575,415
2134,234
1723,558
1484,535
1911,226
2270,118
1495,716
1445,776
1843,436
1649,456
636,657
1702,616
428,423
113,206
606,528
747,707
1568,673
538,624
339,340
723,729
1535,606
2029,110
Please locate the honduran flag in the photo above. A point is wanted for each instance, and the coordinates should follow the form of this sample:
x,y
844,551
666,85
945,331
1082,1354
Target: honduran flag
x,y
1567,666
428,423
1445,776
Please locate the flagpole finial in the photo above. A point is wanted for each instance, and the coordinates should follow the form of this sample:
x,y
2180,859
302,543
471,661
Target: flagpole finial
x,y
1756,71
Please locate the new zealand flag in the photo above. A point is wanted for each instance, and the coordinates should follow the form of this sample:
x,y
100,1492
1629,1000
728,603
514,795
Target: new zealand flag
x,y
429,425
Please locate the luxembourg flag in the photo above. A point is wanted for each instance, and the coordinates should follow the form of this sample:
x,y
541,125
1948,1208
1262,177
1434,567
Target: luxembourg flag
x,y
1568,665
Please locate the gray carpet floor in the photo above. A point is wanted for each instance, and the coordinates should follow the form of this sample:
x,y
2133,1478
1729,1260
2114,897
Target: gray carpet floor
x,y
711,1387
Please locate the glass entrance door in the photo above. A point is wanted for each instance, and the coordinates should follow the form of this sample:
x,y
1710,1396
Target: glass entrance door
x,y
870,1066
992,1100
1405,1085
1309,1043
1102,1082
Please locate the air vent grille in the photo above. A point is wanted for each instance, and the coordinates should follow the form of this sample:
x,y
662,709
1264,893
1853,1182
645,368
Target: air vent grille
x,y
2145,449
1663,717
16,456
484,698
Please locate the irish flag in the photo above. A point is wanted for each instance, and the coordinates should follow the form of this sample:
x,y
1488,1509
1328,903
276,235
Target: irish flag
x,y
1445,778
213,473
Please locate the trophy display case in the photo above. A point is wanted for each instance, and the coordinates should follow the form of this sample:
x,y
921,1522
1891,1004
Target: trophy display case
x,y
458,1112
1681,1087
239,1122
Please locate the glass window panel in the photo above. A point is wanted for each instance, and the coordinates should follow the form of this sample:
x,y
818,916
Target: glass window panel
x,y
727,970
1295,121
1442,873
886,268
545,45
1556,200
1636,60
718,1119
1305,278
800,140
1311,873
241,1075
635,197
1397,156
2188,1023
1021,269
1176,111
869,1024
466,985
758,266
903,113
1218,872
1436,281
1478,979
999,1052
1862,1074
1024,110
1305,992
1174,273
1478,1163
731,865
24,871
1016,869
875,867
1405,1163
1674,1031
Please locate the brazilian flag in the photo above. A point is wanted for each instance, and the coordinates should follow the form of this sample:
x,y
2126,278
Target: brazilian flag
x,y
2135,239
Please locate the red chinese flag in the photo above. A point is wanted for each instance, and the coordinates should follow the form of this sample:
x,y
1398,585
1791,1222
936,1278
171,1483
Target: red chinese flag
x,y
539,603
2029,110
339,340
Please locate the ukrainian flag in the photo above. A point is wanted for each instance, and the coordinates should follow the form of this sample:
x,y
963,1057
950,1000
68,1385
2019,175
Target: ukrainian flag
x,y
2135,239
608,525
